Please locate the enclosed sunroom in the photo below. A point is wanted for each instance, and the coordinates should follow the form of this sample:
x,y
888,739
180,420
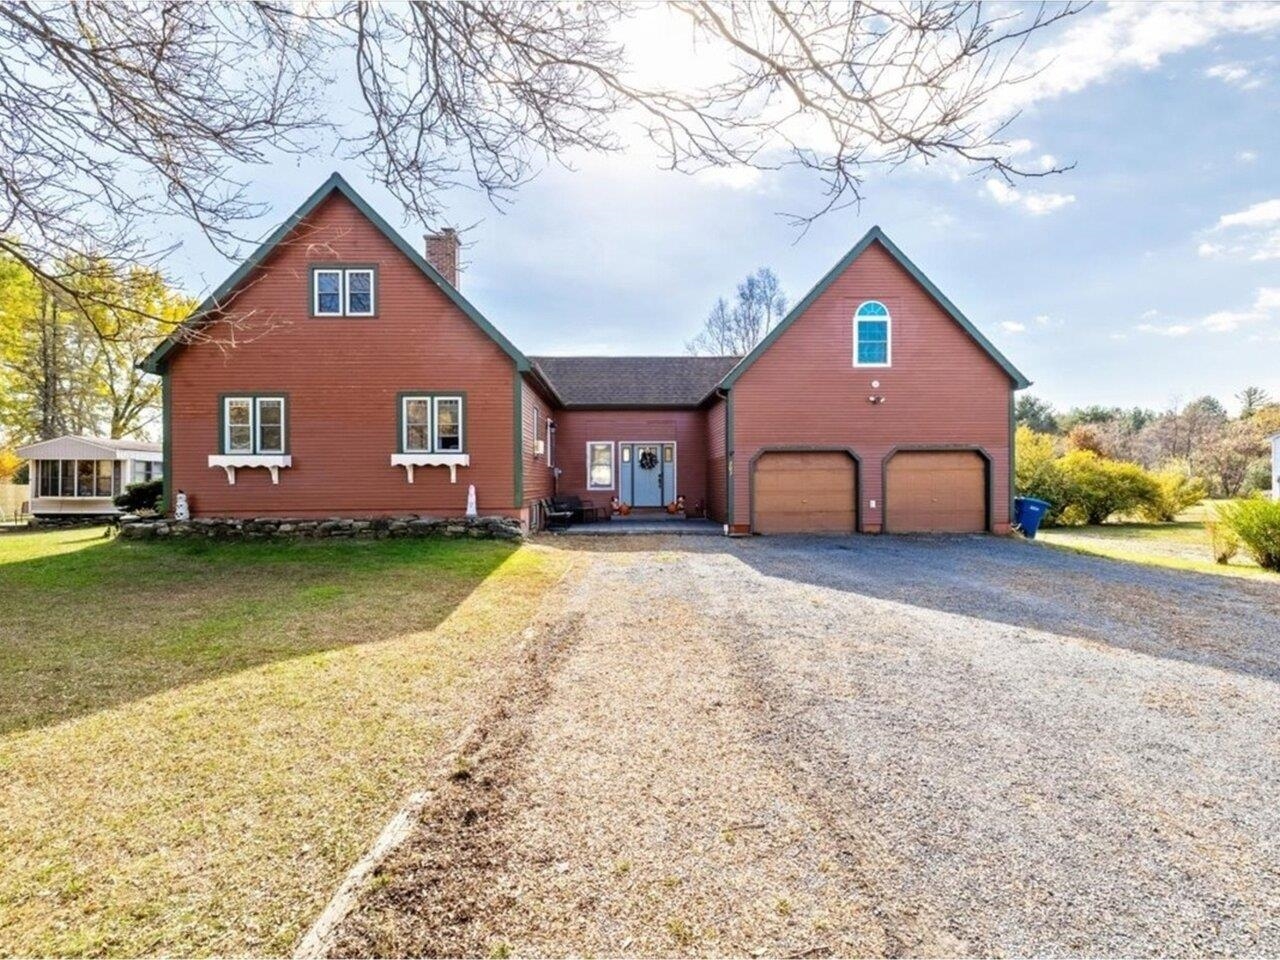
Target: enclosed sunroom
x,y
81,475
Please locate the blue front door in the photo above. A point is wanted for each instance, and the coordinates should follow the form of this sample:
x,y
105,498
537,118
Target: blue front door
x,y
646,475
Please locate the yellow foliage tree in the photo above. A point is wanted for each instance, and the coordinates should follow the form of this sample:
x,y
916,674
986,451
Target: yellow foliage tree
x,y
10,463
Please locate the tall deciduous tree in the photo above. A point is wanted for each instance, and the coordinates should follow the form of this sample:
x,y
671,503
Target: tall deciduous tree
x,y
115,115
1252,399
69,365
733,329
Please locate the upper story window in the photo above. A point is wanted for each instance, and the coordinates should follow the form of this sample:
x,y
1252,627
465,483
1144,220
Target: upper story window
x,y
431,423
871,335
343,291
253,425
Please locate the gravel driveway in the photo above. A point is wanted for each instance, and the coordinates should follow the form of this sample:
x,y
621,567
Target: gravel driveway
x,y
809,747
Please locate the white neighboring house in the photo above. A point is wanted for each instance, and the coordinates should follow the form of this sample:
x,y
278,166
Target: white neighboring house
x,y
1275,466
80,475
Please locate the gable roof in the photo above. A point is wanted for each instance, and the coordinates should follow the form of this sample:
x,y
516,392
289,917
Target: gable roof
x,y
155,360
633,381
876,235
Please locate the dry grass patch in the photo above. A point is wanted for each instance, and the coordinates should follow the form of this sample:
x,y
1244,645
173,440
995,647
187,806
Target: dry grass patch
x,y
1182,545
196,741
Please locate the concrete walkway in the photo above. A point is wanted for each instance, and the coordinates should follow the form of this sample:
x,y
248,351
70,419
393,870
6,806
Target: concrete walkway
x,y
618,527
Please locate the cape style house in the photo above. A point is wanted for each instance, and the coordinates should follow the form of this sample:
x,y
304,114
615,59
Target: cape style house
x,y
339,371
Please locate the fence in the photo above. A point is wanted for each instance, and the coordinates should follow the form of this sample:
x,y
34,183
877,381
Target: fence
x,y
12,497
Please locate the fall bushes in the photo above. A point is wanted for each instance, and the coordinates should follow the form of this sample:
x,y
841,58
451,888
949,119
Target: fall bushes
x,y
1082,486
1255,523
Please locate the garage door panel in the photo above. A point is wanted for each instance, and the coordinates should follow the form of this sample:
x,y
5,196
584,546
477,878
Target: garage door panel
x,y
805,492
936,492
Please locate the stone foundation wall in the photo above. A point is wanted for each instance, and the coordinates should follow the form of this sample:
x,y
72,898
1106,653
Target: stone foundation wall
x,y
66,521
281,528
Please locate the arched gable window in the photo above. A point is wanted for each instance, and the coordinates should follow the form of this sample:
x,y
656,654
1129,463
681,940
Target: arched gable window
x,y
871,335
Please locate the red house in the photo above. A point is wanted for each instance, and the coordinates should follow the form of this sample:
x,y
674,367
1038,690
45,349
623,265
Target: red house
x,y
340,372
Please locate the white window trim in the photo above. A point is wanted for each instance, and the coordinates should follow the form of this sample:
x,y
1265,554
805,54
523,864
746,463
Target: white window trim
x,y
535,438
549,449
888,329
226,426
613,464
435,425
346,292
315,293
404,424
257,426
255,420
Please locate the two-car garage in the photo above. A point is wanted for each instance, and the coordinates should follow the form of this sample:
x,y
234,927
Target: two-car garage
x,y
816,491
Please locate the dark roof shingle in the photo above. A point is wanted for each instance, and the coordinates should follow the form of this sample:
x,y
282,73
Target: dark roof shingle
x,y
633,381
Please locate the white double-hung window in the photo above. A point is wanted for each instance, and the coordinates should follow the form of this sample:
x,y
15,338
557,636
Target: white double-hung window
x,y
600,465
448,424
431,423
343,291
253,425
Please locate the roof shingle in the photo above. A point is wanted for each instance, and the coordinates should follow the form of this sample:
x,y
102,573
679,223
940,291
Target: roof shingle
x,y
633,381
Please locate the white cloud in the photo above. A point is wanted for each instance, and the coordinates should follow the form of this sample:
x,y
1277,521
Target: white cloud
x,y
1032,202
1252,233
734,178
1149,314
1266,308
1123,37
1225,321
1268,299
1234,74
1268,211
1044,320
1166,330
1247,156
1012,326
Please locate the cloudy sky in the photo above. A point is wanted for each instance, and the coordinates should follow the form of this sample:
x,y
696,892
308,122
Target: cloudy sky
x,y
1147,274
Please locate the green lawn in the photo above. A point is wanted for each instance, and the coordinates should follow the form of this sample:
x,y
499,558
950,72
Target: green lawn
x,y
197,740
1182,545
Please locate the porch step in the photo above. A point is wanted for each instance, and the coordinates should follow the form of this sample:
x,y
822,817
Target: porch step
x,y
632,527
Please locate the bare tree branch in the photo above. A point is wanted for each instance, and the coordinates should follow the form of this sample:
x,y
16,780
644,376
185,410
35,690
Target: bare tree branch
x,y
116,115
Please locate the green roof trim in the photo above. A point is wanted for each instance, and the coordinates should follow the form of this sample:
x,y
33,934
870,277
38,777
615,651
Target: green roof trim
x,y
155,360
876,235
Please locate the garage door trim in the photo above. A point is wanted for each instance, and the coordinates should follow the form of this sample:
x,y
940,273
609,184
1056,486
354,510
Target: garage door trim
x,y
808,448
987,462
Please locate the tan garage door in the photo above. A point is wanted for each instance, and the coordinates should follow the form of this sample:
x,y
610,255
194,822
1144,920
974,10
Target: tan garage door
x,y
805,493
936,492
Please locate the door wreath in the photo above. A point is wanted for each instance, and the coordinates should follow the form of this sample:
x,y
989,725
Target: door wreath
x,y
648,460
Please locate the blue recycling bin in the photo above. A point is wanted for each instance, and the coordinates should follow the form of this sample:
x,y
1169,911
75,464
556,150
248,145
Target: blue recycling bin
x,y
1027,514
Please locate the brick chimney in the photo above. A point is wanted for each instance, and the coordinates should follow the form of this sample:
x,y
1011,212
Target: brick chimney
x,y
442,253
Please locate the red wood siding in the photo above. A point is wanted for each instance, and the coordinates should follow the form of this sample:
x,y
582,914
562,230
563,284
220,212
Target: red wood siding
x,y
342,378
538,481
717,452
688,428
943,390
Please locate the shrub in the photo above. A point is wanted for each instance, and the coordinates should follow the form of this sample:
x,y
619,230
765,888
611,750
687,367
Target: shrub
x,y
1036,472
1256,522
1097,488
141,496
1222,540
1174,493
